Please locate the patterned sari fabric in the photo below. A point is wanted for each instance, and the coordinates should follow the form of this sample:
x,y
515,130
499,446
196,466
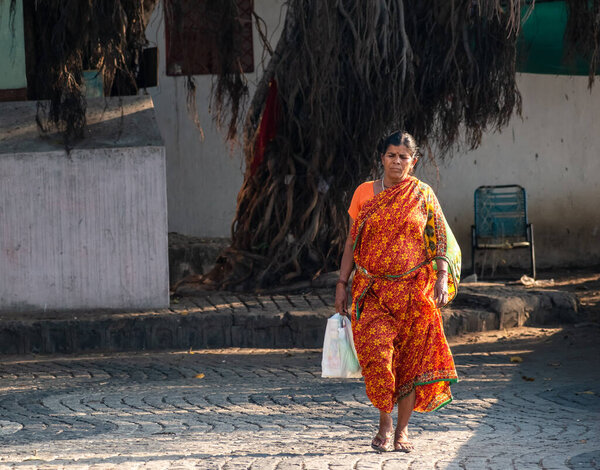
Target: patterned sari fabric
x,y
398,330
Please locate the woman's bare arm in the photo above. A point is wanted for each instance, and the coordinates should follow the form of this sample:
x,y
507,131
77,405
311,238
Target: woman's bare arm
x,y
440,290
346,266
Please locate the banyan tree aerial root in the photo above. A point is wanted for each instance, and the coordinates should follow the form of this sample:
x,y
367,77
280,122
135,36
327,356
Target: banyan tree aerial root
x,y
346,73
72,36
582,34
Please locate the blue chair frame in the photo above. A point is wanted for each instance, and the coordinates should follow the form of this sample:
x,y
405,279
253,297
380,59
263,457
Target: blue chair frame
x,y
501,221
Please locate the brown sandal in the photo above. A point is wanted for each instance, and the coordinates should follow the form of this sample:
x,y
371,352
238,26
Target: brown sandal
x,y
403,446
385,442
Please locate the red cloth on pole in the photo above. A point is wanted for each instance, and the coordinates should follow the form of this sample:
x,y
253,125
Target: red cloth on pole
x,y
267,128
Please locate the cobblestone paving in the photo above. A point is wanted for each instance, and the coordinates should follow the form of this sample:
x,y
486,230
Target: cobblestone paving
x,y
269,409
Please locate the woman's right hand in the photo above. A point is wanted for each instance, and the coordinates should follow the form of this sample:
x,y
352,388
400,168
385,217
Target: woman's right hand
x,y
341,299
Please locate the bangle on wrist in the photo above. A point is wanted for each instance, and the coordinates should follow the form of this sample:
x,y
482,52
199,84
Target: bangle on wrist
x,y
341,281
442,271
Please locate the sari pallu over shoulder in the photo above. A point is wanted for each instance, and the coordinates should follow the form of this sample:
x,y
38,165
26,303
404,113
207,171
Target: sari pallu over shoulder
x,y
400,230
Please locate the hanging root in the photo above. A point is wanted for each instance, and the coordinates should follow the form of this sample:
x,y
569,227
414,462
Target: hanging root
x,y
347,72
221,24
105,35
582,34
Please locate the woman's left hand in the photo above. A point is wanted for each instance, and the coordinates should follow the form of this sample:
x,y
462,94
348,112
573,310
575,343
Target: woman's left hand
x,y
440,290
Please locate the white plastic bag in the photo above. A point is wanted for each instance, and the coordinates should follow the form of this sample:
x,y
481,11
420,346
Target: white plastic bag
x,y
339,355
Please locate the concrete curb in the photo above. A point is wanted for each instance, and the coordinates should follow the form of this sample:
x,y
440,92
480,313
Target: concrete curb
x,y
224,319
495,307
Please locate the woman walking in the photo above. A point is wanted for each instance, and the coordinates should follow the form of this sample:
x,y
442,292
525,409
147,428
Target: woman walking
x,y
407,266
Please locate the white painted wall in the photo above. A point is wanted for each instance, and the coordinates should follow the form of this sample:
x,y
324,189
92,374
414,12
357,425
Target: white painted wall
x,y
554,153
203,177
559,125
86,230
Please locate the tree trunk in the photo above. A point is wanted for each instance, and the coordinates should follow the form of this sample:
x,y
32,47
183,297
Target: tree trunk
x,y
347,73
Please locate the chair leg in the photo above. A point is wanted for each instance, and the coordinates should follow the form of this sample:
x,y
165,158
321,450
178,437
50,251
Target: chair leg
x,y
473,249
532,251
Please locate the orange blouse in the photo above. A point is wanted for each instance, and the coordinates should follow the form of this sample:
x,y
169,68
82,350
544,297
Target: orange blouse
x,y
362,194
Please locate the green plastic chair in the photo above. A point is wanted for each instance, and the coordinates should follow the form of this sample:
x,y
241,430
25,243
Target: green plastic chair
x,y
501,221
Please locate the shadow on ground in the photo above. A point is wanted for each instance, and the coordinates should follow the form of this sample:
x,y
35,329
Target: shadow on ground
x,y
530,400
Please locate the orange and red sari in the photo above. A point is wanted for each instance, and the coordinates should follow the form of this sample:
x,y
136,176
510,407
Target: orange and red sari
x,y
398,330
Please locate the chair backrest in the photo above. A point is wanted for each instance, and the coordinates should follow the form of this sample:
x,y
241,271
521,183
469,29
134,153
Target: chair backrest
x,y
501,213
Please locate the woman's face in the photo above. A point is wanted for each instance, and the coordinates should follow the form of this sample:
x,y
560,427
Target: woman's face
x,y
398,161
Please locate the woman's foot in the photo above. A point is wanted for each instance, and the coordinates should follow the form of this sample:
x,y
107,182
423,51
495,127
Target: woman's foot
x,y
405,408
383,442
384,439
401,442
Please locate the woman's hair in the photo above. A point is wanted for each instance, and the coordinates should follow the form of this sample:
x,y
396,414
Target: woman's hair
x,y
398,138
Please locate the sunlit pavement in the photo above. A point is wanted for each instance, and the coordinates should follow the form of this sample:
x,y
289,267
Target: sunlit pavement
x,y
527,400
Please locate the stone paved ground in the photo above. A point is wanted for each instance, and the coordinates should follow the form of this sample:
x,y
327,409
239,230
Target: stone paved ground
x,y
269,409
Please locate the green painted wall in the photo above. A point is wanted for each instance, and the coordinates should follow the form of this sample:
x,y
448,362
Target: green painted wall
x,y
12,48
540,47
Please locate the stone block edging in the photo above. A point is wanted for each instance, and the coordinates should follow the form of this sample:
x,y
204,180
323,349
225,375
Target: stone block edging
x,y
222,319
